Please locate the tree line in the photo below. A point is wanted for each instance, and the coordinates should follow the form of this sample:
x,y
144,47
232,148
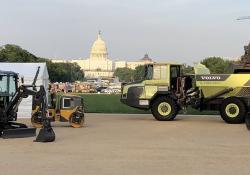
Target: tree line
x,y
58,72
70,72
128,75
216,65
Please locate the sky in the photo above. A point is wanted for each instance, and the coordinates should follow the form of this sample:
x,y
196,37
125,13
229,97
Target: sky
x,y
168,30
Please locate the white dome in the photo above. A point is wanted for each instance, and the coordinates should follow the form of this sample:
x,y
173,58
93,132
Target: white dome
x,y
99,50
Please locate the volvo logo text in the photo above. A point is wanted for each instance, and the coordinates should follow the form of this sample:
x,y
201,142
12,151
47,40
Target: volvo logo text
x,y
210,77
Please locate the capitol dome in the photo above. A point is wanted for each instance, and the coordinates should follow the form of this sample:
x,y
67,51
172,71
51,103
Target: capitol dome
x,y
99,50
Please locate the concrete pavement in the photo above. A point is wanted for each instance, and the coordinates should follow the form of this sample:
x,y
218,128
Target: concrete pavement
x,y
113,144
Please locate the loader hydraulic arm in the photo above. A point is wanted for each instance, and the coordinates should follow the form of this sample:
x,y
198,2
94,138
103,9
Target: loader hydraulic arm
x,y
23,92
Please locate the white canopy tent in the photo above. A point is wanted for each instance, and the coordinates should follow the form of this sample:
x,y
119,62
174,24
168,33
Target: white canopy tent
x,y
28,71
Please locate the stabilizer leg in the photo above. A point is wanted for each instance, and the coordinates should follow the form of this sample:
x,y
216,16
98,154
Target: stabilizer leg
x,y
16,130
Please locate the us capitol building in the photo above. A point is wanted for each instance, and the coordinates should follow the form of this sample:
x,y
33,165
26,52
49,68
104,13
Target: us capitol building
x,y
100,65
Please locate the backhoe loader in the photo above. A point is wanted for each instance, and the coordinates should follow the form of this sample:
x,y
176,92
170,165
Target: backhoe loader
x,y
11,95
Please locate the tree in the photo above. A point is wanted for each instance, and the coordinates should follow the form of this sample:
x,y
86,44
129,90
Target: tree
x,y
218,65
124,74
139,73
58,72
188,69
64,72
14,53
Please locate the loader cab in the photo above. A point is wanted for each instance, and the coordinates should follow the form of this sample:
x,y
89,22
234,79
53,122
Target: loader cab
x,y
167,72
8,83
159,78
8,86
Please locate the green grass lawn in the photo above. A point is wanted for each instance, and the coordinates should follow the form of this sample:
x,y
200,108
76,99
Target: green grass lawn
x,y
107,103
110,103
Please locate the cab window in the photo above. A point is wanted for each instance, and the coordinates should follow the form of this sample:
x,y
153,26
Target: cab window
x,y
149,72
12,86
174,74
174,71
66,103
160,72
3,84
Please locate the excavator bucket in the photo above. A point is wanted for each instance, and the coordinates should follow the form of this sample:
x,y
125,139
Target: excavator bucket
x,y
46,133
247,120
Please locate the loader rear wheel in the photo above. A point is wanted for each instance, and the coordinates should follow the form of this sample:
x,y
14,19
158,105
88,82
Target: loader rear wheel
x,y
164,109
36,120
76,120
233,110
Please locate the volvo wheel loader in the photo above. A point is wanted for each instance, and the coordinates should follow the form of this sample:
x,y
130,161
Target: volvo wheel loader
x,y
12,91
63,108
165,91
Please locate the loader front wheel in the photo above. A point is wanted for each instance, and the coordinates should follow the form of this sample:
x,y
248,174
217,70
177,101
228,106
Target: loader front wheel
x,y
233,110
77,120
164,109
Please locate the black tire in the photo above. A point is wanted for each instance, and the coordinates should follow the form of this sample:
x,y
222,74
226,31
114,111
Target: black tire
x,y
237,110
170,115
77,120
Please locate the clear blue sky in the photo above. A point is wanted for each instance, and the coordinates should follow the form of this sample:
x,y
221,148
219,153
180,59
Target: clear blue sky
x,y
182,30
